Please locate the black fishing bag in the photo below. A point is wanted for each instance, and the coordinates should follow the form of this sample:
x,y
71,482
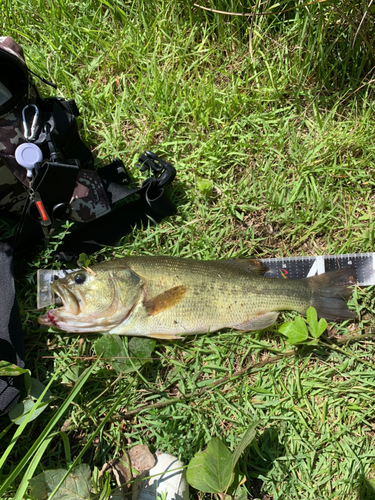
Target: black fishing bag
x,y
64,184
47,177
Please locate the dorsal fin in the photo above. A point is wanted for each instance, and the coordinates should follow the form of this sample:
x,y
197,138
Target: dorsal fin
x,y
253,266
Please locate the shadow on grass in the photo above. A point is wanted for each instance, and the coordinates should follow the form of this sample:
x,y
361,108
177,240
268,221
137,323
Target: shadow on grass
x,y
366,490
258,460
110,228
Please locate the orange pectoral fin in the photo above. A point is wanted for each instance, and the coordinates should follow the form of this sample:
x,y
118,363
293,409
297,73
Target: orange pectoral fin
x,y
165,300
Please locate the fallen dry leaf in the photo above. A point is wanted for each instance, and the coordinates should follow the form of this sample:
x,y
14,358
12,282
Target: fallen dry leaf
x,y
141,458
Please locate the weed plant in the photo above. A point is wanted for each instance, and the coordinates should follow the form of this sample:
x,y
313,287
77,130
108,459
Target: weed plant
x,y
273,115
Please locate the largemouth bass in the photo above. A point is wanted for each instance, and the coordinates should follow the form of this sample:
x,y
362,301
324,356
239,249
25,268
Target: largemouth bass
x,y
167,297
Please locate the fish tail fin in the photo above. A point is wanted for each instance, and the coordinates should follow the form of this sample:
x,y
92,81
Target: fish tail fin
x,y
329,292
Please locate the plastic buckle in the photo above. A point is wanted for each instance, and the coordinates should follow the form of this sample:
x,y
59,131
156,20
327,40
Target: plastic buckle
x,y
163,171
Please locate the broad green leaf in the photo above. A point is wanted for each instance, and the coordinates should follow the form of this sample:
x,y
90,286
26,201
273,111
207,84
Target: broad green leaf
x,y
295,331
247,438
316,329
76,486
125,358
36,389
72,373
141,348
300,325
296,337
204,186
10,370
284,327
21,410
322,326
112,350
312,319
211,471
83,260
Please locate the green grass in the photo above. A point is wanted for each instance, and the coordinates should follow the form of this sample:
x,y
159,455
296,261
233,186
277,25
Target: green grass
x,y
285,133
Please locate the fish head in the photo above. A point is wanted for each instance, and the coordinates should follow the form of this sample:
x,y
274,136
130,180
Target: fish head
x,y
95,300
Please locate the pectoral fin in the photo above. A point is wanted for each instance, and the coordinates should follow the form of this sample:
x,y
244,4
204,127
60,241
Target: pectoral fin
x,y
165,300
258,322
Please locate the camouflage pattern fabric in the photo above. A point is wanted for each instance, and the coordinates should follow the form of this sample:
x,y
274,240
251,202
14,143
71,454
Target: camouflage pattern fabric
x,y
7,43
12,193
89,199
13,181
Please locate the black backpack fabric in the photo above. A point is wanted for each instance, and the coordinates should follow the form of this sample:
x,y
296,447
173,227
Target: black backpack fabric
x,y
65,182
62,185
11,338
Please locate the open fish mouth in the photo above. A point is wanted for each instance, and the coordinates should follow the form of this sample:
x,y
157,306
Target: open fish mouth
x,y
70,308
71,303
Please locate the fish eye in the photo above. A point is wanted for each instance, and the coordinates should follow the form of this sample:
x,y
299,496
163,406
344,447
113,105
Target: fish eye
x,y
79,279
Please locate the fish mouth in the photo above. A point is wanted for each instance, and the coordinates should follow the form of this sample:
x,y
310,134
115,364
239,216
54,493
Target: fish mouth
x,y
48,319
75,317
71,317
71,306
71,303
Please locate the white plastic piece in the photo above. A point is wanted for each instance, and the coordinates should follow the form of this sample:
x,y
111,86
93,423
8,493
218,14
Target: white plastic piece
x,y
169,481
27,154
45,277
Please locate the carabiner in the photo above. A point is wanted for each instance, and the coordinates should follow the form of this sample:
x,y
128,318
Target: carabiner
x,y
29,134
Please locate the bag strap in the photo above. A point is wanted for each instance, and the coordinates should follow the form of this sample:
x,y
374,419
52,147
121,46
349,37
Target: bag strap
x,y
55,183
115,179
137,207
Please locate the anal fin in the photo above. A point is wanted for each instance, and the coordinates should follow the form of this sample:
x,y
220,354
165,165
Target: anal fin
x,y
258,322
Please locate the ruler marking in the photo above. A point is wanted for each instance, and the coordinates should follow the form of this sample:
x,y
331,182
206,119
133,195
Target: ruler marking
x,y
301,267
317,267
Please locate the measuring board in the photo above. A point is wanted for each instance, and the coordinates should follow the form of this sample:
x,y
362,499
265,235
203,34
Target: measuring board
x,y
286,267
303,267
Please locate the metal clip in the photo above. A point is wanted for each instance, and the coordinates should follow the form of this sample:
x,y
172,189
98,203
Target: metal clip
x,y
29,134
